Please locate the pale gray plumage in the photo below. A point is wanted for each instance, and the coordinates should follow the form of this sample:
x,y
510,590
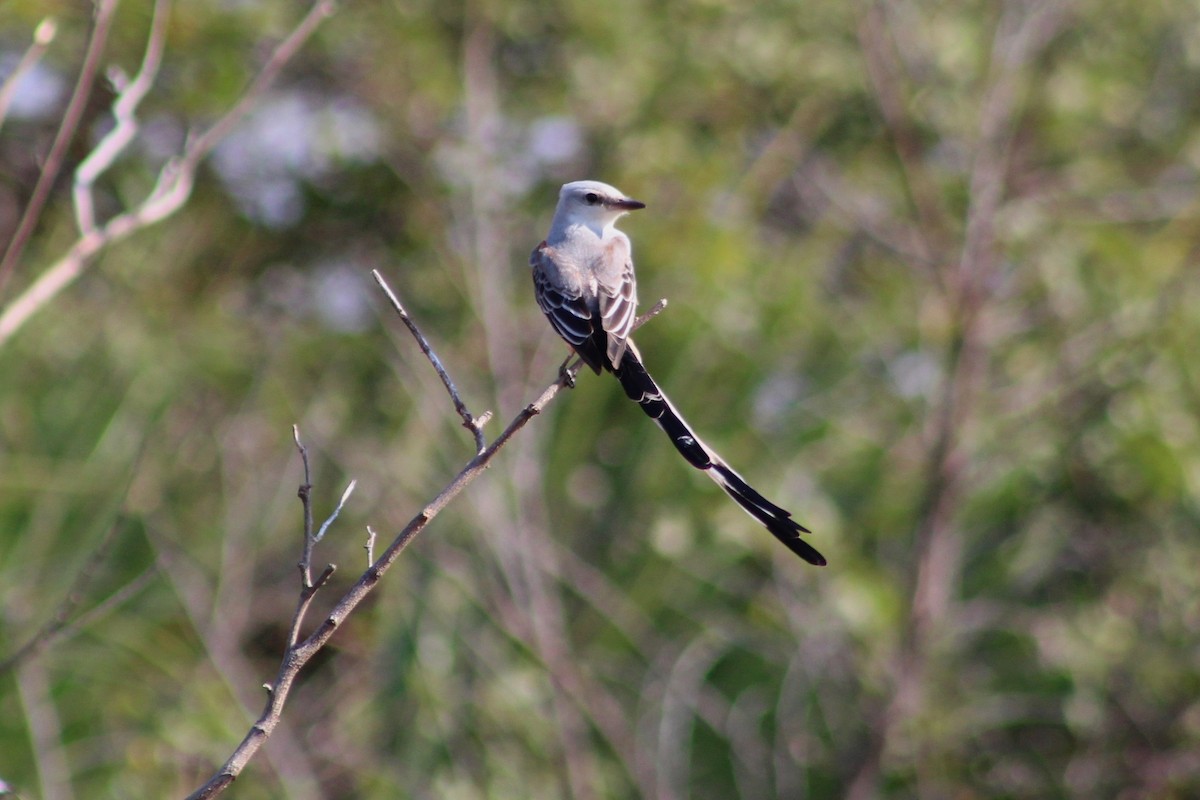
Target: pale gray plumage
x,y
584,282
585,269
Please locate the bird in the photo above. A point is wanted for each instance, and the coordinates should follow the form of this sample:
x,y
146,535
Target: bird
x,y
583,279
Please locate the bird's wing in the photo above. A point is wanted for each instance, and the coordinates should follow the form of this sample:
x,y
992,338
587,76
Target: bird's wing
x,y
617,296
565,305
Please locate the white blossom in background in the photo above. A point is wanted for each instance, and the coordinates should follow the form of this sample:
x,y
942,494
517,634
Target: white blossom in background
x,y
292,138
341,296
39,94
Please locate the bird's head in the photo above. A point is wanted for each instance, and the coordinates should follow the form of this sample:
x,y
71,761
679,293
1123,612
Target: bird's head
x,y
594,204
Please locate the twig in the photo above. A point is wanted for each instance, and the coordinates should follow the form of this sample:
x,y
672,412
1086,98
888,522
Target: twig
x,y
62,140
43,35
325,525
309,587
171,190
370,546
654,311
304,493
470,422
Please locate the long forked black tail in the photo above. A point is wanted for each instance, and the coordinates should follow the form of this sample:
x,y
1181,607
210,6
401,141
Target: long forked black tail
x,y
641,388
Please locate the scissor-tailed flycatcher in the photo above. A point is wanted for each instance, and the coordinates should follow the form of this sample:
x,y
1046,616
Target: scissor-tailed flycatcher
x,y
583,278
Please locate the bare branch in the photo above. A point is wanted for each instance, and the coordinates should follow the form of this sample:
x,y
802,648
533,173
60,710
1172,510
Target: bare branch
x,y
124,108
171,191
43,35
62,140
470,422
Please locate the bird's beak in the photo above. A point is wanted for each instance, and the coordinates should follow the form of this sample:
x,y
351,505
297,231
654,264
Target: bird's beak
x,y
628,204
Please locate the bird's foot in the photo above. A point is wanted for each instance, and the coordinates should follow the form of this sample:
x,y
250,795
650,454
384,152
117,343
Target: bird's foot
x,y
566,374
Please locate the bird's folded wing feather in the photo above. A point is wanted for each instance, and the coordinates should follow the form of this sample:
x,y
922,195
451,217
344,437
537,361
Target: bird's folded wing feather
x,y
618,307
563,304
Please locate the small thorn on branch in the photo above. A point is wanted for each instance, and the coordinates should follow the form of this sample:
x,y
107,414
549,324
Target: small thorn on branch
x,y
370,546
324,577
306,594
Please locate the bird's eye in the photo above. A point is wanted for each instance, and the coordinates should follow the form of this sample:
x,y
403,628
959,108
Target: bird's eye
x,y
592,198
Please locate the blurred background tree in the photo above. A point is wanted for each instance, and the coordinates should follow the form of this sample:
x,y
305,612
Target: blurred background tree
x,y
931,269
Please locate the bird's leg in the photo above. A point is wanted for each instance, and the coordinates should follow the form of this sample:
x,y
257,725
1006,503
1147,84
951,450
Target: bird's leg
x,y
566,374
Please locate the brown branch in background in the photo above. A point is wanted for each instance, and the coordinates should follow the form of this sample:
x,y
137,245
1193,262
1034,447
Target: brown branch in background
x,y
885,72
64,621
62,140
1022,34
788,147
199,147
819,184
171,190
298,653
1019,40
517,528
43,35
49,753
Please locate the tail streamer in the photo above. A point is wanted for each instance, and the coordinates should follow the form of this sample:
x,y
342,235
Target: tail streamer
x,y
642,389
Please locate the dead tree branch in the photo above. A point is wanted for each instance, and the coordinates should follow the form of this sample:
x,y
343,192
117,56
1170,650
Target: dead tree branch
x,y
299,652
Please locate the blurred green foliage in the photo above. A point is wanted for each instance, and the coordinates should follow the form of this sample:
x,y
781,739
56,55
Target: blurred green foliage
x,y
931,269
